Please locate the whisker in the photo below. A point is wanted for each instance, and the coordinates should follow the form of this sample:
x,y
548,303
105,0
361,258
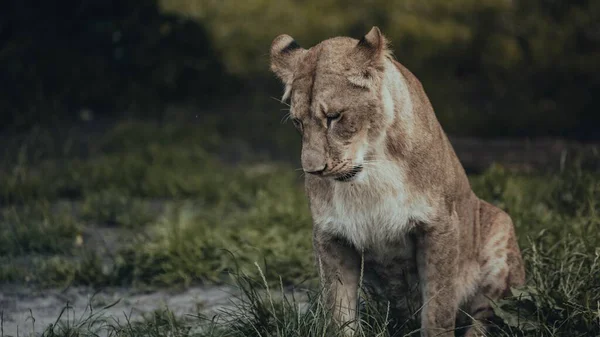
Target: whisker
x,y
378,161
286,117
371,163
280,101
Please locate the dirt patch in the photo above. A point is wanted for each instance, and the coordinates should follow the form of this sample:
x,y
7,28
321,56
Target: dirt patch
x,y
29,311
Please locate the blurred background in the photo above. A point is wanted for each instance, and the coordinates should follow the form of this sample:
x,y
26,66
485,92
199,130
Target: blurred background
x,y
493,68
143,144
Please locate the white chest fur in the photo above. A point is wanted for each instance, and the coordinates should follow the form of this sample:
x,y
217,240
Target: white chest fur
x,y
374,209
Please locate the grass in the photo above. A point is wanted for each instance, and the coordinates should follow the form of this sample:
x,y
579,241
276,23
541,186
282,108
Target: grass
x,y
37,228
188,218
183,205
548,306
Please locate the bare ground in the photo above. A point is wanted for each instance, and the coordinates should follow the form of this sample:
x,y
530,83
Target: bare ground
x,y
28,311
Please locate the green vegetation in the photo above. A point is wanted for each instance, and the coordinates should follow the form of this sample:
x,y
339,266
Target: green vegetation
x,y
178,207
483,63
183,217
75,60
178,197
560,300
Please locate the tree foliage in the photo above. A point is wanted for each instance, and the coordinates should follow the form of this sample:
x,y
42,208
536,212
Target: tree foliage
x,y
111,57
491,67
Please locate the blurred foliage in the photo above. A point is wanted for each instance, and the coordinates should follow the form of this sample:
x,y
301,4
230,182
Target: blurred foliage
x,y
150,207
70,60
37,228
180,215
491,68
111,207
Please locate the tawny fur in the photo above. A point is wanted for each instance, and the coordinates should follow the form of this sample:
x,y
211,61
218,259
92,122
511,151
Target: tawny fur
x,y
410,213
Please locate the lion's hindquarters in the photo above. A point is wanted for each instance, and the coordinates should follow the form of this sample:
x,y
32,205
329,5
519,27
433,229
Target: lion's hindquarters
x,y
500,256
500,262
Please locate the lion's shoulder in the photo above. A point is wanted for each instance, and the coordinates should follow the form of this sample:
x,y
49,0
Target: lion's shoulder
x,y
412,80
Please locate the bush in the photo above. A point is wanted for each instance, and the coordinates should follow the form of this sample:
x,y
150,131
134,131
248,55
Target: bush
x,y
491,68
62,60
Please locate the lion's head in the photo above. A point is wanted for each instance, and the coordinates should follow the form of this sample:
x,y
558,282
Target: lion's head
x,y
337,100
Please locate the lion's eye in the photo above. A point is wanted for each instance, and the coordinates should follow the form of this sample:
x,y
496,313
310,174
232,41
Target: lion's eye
x,y
297,124
331,118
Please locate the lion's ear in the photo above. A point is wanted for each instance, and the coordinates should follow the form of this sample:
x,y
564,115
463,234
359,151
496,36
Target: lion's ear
x,y
369,56
285,53
373,46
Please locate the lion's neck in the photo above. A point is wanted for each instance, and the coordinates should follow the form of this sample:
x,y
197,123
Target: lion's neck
x,y
398,99
399,109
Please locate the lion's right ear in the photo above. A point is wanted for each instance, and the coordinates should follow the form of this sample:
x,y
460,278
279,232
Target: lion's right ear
x,y
285,53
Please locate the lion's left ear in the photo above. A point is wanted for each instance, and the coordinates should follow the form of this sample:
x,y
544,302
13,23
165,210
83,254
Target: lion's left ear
x,y
369,56
285,53
373,45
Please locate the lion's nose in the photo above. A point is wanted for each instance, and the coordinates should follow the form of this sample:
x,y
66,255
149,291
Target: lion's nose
x,y
316,171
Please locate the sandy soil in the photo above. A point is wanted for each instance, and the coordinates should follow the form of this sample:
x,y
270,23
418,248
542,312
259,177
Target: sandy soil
x,y
19,305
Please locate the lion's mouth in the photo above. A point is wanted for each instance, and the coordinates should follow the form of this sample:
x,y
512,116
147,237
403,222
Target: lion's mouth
x,y
350,174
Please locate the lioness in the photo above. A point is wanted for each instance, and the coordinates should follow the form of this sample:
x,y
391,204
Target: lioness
x,y
386,189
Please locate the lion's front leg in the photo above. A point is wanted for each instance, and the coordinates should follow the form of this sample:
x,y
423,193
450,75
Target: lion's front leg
x,y
437,255
339,269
